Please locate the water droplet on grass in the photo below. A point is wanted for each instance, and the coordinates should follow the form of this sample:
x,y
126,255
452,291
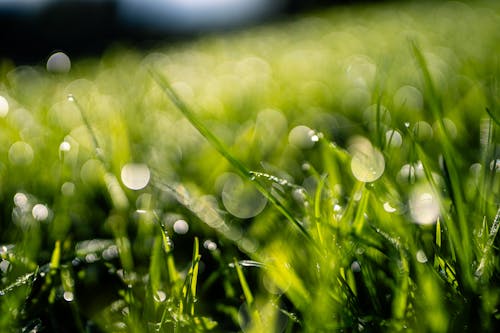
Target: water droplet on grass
x,y
68,189
393,138
388,208
135,176
21,200
355,267
58,62
424,205
242,199
71,98
210,245
367,163
421,257
181,227
91,258
160,296
4,106
40,212
68,296
65,146
21,153
110,253
302,137
5,266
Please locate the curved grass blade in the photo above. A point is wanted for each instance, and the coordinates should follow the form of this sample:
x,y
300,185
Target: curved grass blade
x,y
224,151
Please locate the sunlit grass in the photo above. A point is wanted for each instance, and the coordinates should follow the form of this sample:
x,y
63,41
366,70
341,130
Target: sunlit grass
x,y
335,173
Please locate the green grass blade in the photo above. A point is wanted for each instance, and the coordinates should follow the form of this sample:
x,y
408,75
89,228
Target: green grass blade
x,y
489,246
194,273
224,151
244,284
56,256
463,240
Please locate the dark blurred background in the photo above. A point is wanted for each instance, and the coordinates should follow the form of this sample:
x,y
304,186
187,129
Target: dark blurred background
x,y
32,29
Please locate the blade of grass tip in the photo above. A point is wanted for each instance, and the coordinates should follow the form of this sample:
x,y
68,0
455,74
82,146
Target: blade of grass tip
x,y
243,282
359,218
489,245
317,207
456,191
194,273
56,256
254,314
220,147
172,272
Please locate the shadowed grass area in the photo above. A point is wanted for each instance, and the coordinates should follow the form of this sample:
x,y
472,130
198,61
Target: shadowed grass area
x,y
335,173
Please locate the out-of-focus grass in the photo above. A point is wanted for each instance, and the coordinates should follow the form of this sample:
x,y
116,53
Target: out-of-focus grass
x,y
342,173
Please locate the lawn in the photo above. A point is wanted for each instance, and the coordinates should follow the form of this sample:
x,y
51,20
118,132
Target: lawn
x,y
338,172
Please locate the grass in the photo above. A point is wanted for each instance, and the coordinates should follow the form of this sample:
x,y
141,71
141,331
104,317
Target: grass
x,y
335,173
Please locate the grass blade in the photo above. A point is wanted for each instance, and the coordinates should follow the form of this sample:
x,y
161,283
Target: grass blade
x,y
489,246
224,151
463,238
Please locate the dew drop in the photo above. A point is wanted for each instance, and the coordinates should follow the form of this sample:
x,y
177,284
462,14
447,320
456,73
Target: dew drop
x,y
91,258
160,296
393,138
421,257
302,137
110,253
388,208
5,266
367,163
65,146
68,296
21,200
210,245
21,153
299,195
242,199
71,98
4,106
40,212
58,62
68,189
181,227
135,176
424,205
355,267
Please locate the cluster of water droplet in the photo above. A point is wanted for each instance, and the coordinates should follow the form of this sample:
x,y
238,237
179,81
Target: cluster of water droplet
x,y
27,211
